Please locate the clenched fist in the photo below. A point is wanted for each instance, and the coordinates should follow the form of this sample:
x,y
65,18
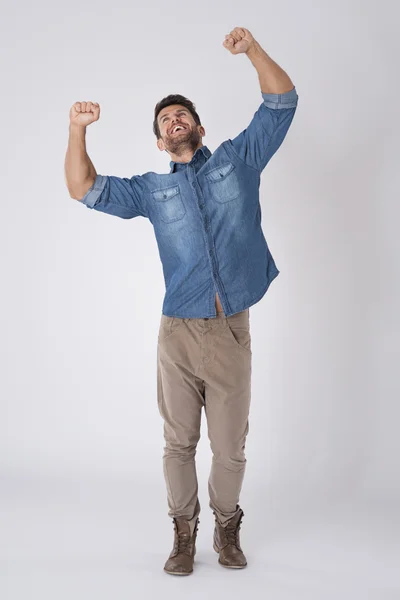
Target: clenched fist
x,y
238,40
84,113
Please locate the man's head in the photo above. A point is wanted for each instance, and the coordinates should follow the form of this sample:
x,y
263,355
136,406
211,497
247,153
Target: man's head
x,y
177,125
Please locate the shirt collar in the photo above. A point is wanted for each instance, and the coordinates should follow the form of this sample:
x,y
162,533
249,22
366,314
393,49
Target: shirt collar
x,y
200,152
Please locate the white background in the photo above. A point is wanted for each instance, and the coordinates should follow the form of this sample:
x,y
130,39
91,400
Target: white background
x,y
84,510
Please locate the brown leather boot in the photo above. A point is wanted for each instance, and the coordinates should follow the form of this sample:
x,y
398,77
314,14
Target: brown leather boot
x,y
180,561
227,542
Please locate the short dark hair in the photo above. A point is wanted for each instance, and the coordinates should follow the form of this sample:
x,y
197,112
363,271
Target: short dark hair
x,y
168,101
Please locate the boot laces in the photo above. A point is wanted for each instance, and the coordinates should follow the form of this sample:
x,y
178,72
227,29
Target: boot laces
x,y
231,531
183,539
183,542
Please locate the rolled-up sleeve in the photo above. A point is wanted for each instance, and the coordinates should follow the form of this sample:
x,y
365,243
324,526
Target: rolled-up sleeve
x,y
119,196
256,144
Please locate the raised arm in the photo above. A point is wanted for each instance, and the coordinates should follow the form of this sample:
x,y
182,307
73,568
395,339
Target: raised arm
x,y
80,173
119,196
266,131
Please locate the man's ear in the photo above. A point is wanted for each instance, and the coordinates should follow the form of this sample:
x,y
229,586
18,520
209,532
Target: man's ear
x,y
202,131
160,144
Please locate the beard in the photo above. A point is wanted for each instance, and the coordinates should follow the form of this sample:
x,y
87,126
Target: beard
x,y
186,140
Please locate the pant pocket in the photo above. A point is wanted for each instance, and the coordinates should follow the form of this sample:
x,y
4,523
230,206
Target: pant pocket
x,y
240,335
169,326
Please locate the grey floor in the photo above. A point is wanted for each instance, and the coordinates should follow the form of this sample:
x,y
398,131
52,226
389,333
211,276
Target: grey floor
x,y
63,539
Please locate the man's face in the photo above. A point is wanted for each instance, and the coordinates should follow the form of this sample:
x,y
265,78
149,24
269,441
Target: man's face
x,y
178,130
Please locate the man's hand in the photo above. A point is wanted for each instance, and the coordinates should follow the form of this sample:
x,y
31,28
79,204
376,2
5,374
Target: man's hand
x,y
83,114
239,40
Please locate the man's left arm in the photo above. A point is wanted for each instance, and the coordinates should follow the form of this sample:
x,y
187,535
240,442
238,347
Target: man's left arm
x,y
261,139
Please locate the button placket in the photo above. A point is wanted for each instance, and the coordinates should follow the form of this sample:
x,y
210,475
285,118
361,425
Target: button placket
x,y
207,227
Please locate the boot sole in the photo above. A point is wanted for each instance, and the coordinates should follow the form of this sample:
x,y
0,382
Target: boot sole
x,y
228,566
177,572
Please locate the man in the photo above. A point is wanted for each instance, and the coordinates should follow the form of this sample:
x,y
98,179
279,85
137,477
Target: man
x,y
216,262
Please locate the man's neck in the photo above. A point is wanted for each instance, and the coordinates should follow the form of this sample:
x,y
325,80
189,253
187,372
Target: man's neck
x,y
186,156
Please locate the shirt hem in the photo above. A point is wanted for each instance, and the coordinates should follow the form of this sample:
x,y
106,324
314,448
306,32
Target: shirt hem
x,y
247,304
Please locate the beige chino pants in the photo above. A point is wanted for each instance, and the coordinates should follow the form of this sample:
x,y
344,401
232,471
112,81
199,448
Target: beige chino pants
x,y
204,363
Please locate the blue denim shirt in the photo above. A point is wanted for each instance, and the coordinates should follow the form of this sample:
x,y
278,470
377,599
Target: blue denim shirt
x,y
206,216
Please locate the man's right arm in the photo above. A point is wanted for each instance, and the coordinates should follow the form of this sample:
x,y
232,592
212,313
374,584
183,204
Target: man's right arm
x,y
120,196
80,173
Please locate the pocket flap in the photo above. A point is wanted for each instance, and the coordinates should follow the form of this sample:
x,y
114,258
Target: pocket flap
x,y
220,172
165,193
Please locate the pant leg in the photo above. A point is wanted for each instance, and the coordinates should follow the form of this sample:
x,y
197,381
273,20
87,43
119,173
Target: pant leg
x,y
180,397
227,405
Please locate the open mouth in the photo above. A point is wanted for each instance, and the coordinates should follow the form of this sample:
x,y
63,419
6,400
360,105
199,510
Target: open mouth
x,y
177,129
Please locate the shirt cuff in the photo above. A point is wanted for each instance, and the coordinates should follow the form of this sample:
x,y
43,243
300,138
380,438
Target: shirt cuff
x,y
94,192
286,100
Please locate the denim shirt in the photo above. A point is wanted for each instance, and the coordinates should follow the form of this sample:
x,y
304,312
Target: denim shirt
x,y
206,216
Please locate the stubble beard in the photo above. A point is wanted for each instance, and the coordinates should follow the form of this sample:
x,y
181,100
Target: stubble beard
x,y
188,141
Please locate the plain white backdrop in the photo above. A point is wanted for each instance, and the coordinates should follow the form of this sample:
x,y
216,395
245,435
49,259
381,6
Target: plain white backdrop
x,y
83,501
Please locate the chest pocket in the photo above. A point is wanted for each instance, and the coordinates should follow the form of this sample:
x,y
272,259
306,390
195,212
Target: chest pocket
x,y
169,204
223,181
